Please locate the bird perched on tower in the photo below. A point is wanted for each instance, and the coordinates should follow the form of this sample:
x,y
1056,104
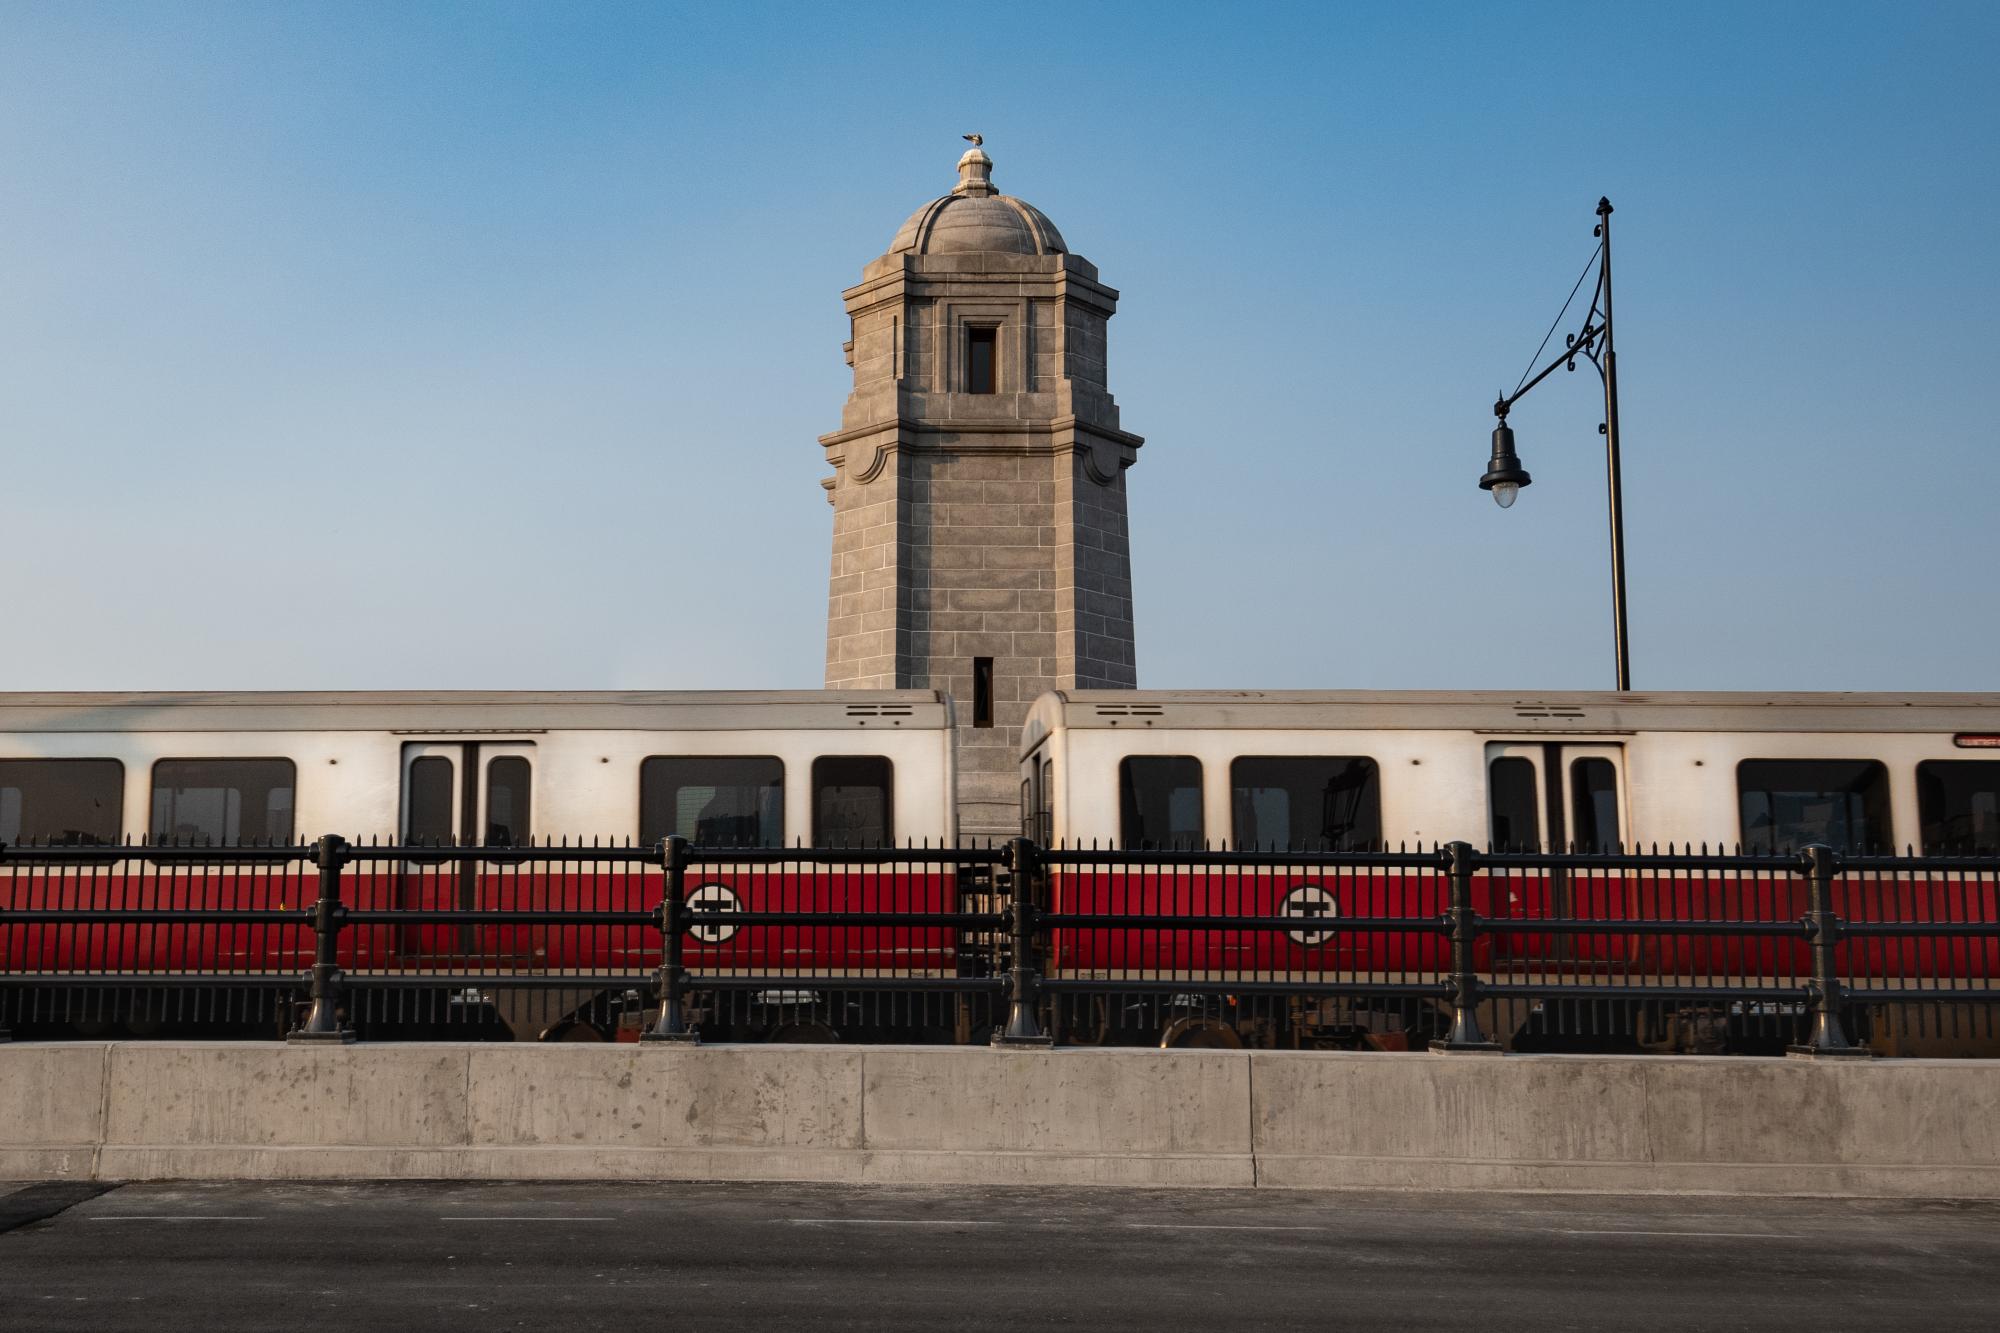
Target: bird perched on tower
x,y
974,139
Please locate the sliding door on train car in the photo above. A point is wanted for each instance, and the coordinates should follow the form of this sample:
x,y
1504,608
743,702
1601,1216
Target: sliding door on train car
x,y
461,793
1556,795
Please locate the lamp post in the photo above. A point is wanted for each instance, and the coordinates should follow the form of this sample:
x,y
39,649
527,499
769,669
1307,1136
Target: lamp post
x,y
1504,474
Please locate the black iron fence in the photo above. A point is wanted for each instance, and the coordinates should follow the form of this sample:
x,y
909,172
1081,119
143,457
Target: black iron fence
x,y
1450,948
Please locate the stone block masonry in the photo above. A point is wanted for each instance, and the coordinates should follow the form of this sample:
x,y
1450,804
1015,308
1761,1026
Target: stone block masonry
x,y
979,499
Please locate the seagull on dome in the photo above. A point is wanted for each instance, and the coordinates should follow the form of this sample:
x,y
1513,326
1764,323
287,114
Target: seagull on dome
x,y
974,139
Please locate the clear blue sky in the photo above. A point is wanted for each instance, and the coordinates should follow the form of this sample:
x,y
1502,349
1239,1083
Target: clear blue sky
x,y
388,345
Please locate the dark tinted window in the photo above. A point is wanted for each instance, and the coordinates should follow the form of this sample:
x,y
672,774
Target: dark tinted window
x,y
65,802
1046,833
1305,804
1510,800
1958,803
851,801
1788,803
431,822
222,802
982,691
713,800
507,778
980,360
1159,801
1593,805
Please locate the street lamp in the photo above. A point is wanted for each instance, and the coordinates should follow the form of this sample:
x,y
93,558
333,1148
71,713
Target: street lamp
x,y
1504,474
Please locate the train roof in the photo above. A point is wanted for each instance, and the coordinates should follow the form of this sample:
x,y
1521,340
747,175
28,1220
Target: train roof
x,y
473,711
1574,712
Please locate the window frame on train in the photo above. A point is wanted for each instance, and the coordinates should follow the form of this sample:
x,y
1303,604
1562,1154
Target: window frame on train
x,y
1592,802
1135,794
107,805
518,830
159,836
1931,820
1524,803
659,814
1876,806
820,787
1240,805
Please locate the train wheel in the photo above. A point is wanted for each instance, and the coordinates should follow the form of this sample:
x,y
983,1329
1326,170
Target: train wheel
x,y
1201,1034
574,1029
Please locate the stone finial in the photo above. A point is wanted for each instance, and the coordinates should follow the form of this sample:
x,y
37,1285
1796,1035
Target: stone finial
x,y
975,174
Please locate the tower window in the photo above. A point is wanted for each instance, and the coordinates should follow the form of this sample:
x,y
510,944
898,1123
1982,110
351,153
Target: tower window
x,y
982,691
981,359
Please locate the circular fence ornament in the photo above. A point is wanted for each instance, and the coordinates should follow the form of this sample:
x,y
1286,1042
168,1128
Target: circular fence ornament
x,y
1310,901
712,898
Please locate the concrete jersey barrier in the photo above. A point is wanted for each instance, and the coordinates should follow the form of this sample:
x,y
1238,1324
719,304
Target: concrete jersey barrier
x,y
939,1115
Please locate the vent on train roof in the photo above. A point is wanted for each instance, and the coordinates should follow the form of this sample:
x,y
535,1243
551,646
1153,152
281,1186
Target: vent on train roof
x,y
879,710
1130,710
1547,711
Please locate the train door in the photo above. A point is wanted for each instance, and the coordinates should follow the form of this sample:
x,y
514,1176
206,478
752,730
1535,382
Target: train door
x,y
1552,795
1556,795
464,794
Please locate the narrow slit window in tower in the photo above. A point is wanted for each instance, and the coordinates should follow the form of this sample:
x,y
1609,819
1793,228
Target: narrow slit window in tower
x,y
981,359
982,691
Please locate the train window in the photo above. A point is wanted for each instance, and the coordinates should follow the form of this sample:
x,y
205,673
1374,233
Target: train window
x,y
1046,833
61,802
1788,803
1510,802
1593,801
1159,801
1958,804
507,781
1306,804
431,821
222,802
713,800
852,804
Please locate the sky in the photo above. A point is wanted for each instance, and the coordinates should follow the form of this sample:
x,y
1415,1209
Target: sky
x,y
387,345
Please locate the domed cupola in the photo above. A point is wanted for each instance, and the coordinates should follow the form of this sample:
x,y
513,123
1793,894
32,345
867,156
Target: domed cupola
x,y
975,217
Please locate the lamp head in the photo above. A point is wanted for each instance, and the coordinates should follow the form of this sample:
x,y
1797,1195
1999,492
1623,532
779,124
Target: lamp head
x,y
1504,474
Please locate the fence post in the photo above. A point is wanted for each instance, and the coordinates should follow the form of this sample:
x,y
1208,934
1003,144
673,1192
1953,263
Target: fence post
x,y
1821,864
6,1035
323,1022
1024,982
672,1023
1465,1037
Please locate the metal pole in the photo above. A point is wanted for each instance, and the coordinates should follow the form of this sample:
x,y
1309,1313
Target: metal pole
x,y
1024,859
1821,863
1611,468
323,1023
672,1024
1465,1036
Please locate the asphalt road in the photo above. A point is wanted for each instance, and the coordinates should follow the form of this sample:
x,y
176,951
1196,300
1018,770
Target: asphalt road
x,y
742,1257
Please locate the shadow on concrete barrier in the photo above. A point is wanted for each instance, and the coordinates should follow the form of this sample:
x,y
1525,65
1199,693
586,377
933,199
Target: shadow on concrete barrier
x,y
942,1115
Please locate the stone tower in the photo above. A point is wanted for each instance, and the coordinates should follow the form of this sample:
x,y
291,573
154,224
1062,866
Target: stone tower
x,y
979,538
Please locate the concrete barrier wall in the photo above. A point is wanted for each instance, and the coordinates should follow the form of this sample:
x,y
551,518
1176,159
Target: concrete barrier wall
x,y
156,1110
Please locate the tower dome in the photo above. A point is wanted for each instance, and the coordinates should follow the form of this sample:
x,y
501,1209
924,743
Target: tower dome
x,y
976,217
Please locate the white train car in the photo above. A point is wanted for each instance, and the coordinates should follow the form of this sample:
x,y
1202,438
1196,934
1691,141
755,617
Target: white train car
x,y
723,768
1333,770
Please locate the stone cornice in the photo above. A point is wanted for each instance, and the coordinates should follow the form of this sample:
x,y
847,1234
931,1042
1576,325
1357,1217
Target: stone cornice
x,y
902,284
863,451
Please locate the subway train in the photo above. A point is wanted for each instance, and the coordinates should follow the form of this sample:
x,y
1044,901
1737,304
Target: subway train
x,y
1131,770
